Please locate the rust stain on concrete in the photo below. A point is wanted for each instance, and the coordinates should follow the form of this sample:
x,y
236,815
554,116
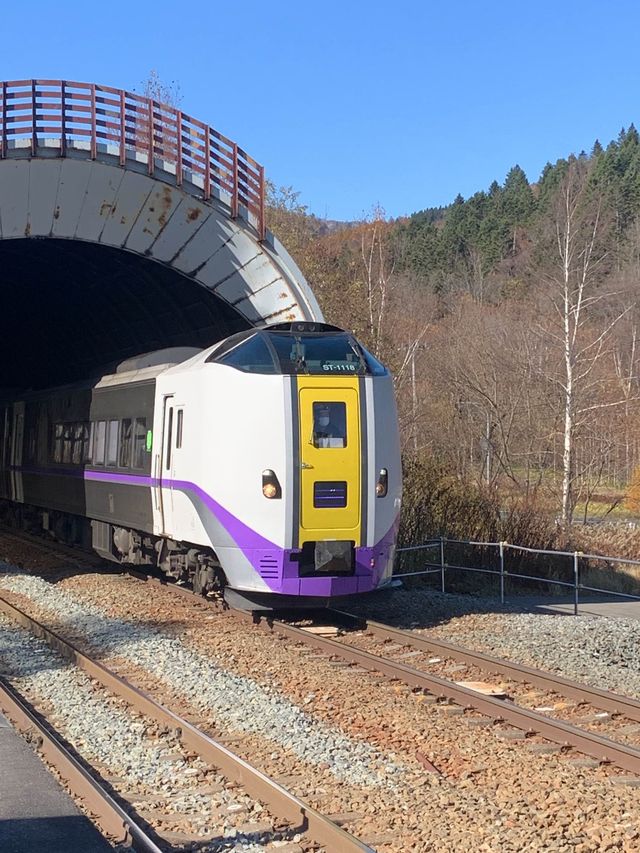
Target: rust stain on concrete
x,y
165,201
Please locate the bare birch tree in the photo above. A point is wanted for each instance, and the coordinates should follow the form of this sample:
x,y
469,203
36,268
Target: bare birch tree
x,y
581,325
378,269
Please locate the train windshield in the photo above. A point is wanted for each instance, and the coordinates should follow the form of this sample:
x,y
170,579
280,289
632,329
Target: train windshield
x,y
267,351
317,354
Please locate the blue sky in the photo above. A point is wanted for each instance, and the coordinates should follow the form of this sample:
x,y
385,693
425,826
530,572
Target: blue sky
x,y
357,103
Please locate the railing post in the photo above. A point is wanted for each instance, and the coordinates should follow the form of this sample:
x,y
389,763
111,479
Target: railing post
x,y
576,580
442,563
262,226
123,127
34,131
94,126
63,118
3,119
179,141
234,180
502,544
151,155
207,163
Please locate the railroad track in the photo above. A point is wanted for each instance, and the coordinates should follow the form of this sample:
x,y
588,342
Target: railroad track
x,y
301,817
377,647
112,820
79,557
549,682
389,643
622,710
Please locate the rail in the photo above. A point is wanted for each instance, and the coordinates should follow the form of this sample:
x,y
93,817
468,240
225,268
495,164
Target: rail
x,y
111,817
503,574
310,821
533,722
61,114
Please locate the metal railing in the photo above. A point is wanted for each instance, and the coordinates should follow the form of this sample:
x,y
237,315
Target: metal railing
x,y
502,573
69,113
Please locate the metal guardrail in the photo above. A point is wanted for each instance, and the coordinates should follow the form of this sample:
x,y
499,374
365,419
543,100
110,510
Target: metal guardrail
x,y
68,112
503,574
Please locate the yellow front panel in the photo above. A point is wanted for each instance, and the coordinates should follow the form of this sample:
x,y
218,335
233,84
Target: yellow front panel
x,y
330,461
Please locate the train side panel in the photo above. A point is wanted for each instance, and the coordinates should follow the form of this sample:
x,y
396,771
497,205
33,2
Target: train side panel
x,y
232,429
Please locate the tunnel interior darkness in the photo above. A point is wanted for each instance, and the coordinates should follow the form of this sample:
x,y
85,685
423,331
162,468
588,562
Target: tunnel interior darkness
x,y
72,310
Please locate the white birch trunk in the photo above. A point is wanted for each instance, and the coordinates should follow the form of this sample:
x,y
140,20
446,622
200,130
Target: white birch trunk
x,y
569,339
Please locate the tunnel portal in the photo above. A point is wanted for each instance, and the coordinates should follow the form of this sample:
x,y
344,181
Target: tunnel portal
x,y
126,226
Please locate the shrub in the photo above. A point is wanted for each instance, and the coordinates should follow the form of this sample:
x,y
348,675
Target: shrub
x,y
632,500
437,502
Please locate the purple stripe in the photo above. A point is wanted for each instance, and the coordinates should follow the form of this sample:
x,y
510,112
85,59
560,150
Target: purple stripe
x,y
124,479
244,537
86,474
253,546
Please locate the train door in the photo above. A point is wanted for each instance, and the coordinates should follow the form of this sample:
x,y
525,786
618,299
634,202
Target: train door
x,y
17,440
172,453
5,452
164,470
330,461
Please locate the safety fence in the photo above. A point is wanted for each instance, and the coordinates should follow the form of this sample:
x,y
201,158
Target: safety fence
x,y
501,561
69,113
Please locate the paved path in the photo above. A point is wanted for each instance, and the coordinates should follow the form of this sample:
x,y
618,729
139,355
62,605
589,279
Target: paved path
x,y
35,813
591,605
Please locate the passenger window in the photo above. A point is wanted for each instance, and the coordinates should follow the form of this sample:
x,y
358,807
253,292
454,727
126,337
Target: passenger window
x,y
139,442
67,442
329,424
7,436
179,428
78,444
31,445
125,443
57,442
112,443
99,442
87,441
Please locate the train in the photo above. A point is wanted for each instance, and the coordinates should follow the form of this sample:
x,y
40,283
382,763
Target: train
x,y
265,467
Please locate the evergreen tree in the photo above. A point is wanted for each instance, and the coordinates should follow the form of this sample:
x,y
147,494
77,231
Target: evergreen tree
x,y
518,202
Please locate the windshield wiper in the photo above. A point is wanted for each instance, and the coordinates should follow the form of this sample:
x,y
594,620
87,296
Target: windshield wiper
x,y
298,356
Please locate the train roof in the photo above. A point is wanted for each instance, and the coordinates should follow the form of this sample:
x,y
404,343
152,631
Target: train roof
x,y
170,355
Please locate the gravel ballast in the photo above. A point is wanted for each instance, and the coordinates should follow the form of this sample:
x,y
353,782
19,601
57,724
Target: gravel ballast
x,y
600,651
109,736
463,787
244,705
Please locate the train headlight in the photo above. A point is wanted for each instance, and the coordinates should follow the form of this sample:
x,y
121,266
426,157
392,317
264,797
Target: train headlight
x,y
270,486
383,483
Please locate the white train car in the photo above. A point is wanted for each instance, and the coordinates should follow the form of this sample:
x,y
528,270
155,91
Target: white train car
x,y
267,465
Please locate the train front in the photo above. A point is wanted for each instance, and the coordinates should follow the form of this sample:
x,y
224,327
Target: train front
x,y
325,438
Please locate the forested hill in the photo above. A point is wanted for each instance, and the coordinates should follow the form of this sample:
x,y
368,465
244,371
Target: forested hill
x,y
511,321
485,233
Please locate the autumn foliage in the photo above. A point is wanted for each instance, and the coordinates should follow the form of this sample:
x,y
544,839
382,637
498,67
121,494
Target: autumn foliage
x,y
510,321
